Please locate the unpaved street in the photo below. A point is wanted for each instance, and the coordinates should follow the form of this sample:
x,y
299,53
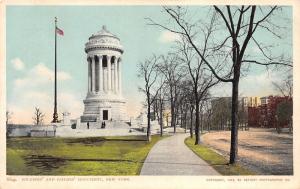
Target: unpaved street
x,y
262,150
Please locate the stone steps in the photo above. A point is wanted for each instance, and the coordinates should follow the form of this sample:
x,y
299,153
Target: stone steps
x,y
108,125
92,132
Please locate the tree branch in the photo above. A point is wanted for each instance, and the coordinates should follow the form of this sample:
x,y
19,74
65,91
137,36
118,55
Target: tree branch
x,y
268,64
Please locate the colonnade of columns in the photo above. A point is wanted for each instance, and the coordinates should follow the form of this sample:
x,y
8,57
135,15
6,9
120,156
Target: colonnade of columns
x,y
104,74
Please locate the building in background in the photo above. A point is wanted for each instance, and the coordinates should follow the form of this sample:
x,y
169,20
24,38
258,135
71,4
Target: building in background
x,y
264,115
253,111
253,101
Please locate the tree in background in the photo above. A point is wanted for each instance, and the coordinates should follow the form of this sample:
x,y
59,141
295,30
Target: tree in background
x,y
221,112
285,87
147,71
38,117
201,80
171,69
284,113
159,106
8,116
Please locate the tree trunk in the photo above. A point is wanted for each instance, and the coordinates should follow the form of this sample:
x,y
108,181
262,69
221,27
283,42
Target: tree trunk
x,y
290,125
167,120
185,126
172,109
181,117
191,127
200,118
208,124
161,118
197,141
234,121
201,121
173,124
148,119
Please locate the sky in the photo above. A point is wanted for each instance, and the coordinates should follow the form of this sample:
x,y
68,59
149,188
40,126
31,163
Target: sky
x,y
30,56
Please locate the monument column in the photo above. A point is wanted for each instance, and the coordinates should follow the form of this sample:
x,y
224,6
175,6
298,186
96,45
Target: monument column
x,y
112,76
109,72
93,74
100,74
116,75
89,74
119,76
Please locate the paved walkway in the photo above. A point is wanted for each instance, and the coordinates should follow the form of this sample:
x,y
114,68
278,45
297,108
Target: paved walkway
x,y
171,156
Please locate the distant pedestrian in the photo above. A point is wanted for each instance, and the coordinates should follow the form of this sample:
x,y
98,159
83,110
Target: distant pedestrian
x,y
104,124
88,125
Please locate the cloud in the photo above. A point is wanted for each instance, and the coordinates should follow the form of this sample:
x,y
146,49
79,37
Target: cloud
x,y
260,84
167,37
251,85
44,72
40,74
221,90
32,96
35,89
18,64
23,107
69,102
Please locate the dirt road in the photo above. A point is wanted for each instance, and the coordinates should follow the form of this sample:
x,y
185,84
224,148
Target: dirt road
x,y
262,150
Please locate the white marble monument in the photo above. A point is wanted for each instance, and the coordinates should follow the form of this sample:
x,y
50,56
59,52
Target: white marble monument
x,y
104,100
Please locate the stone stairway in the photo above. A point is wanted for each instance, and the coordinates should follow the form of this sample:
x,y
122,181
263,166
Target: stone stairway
x,y
112,128
108,125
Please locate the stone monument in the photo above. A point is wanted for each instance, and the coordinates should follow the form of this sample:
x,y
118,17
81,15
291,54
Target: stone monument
x,y
104,100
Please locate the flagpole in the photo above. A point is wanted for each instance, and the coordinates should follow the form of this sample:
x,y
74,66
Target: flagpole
x,y
55,115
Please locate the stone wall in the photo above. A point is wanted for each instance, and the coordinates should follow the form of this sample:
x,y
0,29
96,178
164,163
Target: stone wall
x,y
22,130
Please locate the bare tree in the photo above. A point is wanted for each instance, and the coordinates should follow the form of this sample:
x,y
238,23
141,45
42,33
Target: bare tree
x,y
285,88
204,108
234,29
8,116
38,117
191,106
183,100
159,106
171,69
284,113
147,71
221,112
208,114
201,80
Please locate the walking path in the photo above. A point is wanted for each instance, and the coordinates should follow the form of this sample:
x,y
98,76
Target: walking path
x,y
171,156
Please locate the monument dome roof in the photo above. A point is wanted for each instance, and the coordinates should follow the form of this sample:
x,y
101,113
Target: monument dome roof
x,y
103,39
102,33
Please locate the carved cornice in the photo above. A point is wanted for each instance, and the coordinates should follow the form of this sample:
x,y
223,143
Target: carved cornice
x,y
104,40
104,101
102,47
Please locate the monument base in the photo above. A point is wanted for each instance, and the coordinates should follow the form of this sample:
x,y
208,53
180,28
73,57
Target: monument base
x,y
88,118
104,108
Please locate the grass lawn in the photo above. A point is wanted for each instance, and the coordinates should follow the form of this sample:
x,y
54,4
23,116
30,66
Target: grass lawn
x,y
217,161
77,156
